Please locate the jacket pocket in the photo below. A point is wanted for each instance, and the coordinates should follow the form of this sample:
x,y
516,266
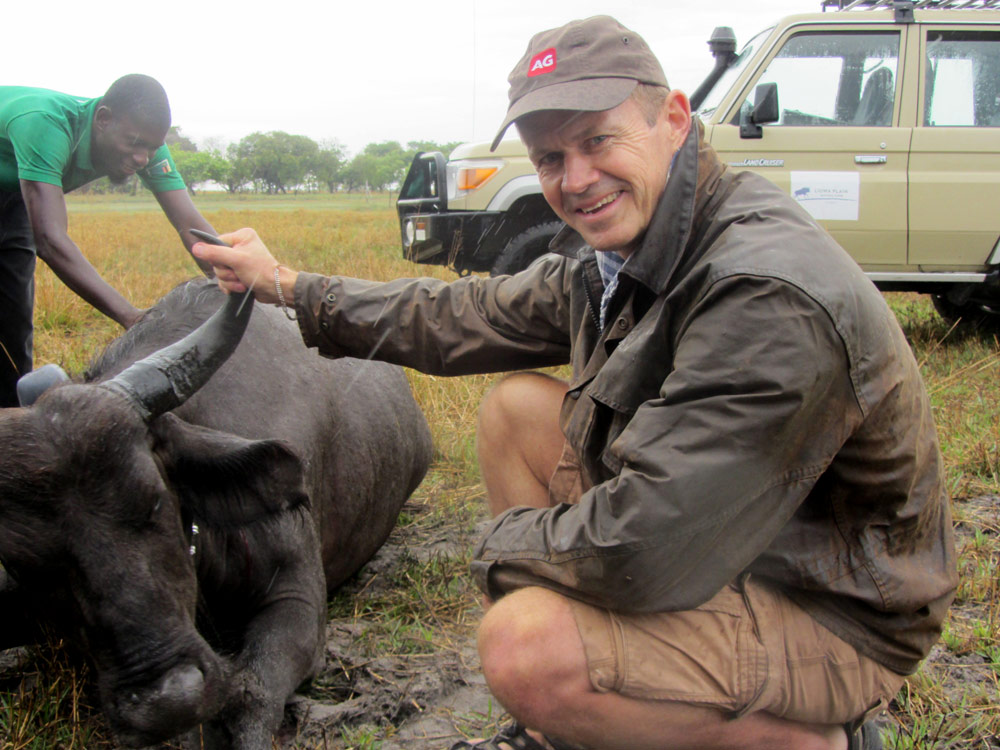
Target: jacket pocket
x,y
591,426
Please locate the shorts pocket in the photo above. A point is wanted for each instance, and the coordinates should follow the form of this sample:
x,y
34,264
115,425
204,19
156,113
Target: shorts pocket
x,y
709,656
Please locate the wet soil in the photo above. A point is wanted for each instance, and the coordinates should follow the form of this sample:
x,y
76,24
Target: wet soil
x,y
431,700
374,695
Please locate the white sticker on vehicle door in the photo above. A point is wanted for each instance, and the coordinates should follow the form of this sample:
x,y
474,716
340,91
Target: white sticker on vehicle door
x,y
828,195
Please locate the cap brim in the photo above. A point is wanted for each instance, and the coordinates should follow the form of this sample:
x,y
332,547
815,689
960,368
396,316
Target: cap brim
x,y
587,95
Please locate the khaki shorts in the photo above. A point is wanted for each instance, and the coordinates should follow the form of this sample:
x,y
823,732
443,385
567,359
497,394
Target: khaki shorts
x,y
750,648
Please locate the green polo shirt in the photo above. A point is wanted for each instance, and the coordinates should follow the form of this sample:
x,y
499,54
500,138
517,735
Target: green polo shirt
x,y
45,137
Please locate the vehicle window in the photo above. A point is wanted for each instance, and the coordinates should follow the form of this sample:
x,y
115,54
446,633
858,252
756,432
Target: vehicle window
x,y
962,79
421,182
833,78
714,97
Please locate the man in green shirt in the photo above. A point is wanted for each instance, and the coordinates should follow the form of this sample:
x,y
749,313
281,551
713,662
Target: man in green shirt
x,y
51,143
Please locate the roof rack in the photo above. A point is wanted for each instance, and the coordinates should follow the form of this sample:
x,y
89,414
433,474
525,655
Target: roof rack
x,y
911,5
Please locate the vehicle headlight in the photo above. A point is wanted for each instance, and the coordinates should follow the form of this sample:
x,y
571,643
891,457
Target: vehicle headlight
x,y
467,175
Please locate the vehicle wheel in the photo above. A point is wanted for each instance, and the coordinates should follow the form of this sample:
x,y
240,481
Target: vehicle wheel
x,y
970,313
524,248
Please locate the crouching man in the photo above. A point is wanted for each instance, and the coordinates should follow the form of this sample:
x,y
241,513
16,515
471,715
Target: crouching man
x,y
729,529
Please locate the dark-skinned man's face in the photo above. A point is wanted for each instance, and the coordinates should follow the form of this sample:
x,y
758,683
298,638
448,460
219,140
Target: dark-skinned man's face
x,y
122,145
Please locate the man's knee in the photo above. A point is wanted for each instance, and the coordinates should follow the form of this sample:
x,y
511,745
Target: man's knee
x,y
518,399
531,652
519,441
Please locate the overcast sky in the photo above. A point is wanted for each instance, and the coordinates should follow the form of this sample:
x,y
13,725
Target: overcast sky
x,y
357,72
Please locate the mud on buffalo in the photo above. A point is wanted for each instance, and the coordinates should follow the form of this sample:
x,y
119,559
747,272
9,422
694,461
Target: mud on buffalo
x,y
186,527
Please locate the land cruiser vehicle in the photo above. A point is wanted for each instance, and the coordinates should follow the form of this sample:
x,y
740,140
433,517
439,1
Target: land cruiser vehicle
x,y
881,118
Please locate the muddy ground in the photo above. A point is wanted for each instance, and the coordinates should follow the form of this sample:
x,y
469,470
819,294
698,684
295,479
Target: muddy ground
x,y
383,689
431,700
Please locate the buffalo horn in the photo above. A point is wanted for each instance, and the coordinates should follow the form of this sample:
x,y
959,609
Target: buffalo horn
x,y
167,378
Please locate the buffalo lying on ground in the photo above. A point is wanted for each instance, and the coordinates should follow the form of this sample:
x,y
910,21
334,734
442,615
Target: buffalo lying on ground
x,y
192,539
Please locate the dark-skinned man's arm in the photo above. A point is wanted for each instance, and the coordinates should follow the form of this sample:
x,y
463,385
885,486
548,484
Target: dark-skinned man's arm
x,y
47,212
182,213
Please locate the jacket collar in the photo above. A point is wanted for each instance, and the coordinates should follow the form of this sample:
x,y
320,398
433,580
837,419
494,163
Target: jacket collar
x,y
693,180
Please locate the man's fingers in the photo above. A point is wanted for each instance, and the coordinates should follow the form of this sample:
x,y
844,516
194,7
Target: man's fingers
x,y
239,267
232,286
227,274
214,254
240,236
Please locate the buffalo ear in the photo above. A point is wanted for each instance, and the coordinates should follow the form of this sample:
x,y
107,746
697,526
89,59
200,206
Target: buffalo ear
x,y
226,480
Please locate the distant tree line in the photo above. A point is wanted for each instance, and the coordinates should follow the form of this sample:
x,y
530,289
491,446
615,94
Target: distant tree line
x,y
278,162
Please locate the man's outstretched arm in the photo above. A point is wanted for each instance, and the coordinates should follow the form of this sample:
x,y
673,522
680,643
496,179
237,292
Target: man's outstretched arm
x,y
184,215
47,212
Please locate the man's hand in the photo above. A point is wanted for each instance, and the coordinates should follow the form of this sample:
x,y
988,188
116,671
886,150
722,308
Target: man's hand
x,y
248,264
135,317
183,215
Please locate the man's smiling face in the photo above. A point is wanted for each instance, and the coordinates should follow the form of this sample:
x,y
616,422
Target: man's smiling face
x,y
123,145
604,172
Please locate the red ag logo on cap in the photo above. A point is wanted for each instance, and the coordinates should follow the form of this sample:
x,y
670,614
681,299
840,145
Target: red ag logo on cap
x,y
543,62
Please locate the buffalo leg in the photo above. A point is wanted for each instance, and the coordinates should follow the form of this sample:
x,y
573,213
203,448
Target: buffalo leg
x,y
282,644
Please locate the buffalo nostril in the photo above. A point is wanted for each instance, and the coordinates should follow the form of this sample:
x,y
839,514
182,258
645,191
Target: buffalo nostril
x,y
173,705
169,704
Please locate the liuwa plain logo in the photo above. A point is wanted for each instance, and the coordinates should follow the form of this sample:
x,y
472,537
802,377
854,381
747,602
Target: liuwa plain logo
x,y
827,195
543,62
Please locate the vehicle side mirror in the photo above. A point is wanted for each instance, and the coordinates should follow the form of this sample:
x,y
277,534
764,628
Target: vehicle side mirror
x,y
765,110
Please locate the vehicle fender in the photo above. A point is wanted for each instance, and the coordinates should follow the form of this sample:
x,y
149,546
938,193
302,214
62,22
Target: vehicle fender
x,y
513,191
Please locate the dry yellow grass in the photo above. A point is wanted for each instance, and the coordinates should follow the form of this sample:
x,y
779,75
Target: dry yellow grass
x,y
139,253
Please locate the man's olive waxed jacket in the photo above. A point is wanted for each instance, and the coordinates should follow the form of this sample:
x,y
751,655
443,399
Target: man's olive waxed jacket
x,y
752,407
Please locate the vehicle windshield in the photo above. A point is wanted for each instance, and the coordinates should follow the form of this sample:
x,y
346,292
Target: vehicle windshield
x,y
421,181
714,97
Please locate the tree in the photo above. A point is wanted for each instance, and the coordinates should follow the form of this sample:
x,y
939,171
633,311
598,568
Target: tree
x,y
276,160
177,141
239,172
378,166
328,166
445,148
200,166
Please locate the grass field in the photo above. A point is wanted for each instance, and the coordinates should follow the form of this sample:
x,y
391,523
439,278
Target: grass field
x,y
953,702
208,202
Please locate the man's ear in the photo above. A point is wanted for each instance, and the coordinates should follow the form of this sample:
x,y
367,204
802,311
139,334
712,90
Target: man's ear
x,y
226,480
102,117
676,114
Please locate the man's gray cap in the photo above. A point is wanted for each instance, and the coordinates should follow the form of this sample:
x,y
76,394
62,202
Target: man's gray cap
x,y
589,65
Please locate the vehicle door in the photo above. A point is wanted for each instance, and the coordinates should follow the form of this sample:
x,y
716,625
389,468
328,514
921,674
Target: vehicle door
x,y
837,148
955,156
